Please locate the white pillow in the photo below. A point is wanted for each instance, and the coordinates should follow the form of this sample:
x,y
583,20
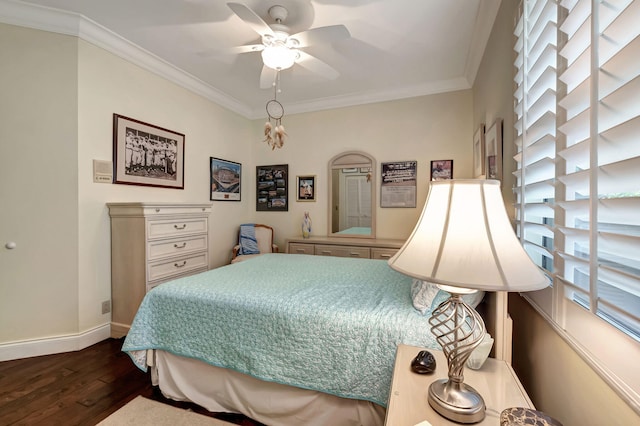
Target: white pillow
x,y
427,296
423,294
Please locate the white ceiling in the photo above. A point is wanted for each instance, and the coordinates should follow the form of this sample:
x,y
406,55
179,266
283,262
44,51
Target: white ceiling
x,y
397,49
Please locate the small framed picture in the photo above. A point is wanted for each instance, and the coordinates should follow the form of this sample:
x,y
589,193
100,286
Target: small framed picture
x,y
225,179
306,188
441,169
148,155
350,170
478,153
493,150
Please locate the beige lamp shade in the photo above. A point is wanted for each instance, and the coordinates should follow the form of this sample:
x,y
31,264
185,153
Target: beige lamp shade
x,y
464,239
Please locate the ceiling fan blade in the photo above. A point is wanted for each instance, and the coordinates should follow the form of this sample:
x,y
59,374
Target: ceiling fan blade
x,y
251,18
316,65
232,50
319,35
267,77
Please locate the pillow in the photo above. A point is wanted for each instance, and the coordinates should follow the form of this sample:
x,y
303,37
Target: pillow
x,y
248,242
427,296
423,294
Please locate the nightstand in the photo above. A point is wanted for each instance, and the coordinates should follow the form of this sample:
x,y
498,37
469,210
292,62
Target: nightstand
x,y
495,381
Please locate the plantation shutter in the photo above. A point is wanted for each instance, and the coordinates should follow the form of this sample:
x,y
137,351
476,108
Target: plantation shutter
x,y
599,176
535,109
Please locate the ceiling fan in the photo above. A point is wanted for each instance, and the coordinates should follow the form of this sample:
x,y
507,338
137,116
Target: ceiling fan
x,y
281,50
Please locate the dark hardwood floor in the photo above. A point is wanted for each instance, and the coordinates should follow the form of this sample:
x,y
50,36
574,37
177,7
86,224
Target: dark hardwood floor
x,y
79,388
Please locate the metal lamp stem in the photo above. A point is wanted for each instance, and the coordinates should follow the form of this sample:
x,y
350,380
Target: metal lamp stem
x,y
459,329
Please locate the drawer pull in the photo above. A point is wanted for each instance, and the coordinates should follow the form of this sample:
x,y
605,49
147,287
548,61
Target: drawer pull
x,y
177,265
385,256
157,210
181,246
325,252
300,251
180,227
355,254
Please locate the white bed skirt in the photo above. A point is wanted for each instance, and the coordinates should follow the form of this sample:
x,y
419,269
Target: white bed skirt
x,y
221,390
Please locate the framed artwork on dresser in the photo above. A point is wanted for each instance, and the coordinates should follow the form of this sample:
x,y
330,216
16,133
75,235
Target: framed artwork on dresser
x,y
148,155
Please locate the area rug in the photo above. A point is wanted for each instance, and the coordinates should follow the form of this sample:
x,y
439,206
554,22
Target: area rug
x,y
142,412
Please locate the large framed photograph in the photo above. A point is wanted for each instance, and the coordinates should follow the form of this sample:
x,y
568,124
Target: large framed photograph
x,y
478,153
226,179
398,186
493,150
306,188
441,169
272,190
144,154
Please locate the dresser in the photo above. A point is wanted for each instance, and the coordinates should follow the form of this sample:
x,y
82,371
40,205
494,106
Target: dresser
x,y
365,248
152,243
496,382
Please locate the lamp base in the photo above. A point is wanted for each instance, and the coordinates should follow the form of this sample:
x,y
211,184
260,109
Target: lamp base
x,y
456,401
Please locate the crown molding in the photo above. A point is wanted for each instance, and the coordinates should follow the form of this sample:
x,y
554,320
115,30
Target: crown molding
x,y
431,88
15,12
485,19
62,22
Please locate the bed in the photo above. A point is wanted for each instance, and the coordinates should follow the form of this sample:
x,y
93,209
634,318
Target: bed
x,y
284,339
356,230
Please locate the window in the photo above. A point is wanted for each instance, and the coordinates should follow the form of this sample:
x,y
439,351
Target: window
x,y
578,177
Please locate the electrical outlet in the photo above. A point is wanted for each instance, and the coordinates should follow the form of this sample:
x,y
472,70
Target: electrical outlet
x,y
106,306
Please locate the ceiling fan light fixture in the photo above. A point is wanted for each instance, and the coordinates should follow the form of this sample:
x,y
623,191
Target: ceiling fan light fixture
x,y
279,56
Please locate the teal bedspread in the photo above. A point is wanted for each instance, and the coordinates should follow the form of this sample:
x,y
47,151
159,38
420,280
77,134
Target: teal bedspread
x,y
322,323
358,230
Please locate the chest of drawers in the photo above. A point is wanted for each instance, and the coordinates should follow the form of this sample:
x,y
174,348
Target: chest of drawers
x,y
345,247
152,243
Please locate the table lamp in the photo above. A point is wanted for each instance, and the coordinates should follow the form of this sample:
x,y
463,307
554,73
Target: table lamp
x,y
464,242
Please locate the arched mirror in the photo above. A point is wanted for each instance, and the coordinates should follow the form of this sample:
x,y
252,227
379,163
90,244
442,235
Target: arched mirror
x,y
352,197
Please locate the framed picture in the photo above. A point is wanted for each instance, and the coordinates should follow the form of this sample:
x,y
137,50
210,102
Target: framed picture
x,y
493,150
478,153
350,170
226,178
441,169
306,188
398,186
144,154
272,190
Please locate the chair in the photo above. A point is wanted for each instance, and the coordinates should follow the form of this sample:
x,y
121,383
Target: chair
x,y
263,238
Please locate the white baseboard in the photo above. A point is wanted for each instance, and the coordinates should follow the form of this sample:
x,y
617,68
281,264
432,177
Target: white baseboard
x,y
54,345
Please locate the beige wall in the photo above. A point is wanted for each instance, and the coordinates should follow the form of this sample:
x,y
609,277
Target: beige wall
x,y
422,129
558,381
38,184
61,93
493,92
109,85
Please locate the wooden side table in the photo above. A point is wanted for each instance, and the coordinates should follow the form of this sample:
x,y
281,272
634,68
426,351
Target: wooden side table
x,y
408,406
